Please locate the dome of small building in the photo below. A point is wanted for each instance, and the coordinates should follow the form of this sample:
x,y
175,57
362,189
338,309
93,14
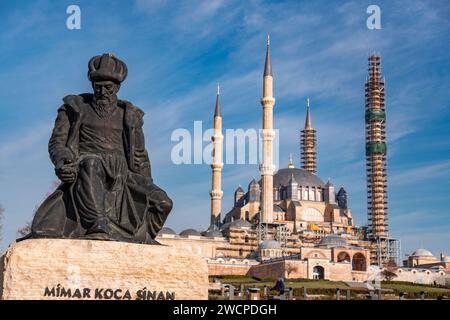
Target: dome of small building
x,y
166,230
212,234
270,244
333,240
240,223
225,226
189,232
301,176
420,252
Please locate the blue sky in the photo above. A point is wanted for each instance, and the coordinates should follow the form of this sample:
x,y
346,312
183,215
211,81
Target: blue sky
x,y
176,52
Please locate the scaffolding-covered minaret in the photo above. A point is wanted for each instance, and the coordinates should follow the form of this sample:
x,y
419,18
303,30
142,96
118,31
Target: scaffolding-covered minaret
x,y
308,145
376,151
383,248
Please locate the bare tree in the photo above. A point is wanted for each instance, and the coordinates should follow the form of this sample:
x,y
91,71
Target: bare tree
x,y
25,230
290,269
389,270
2,212
388,275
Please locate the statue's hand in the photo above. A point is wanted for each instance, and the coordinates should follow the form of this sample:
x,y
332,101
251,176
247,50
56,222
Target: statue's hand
x,y
66,171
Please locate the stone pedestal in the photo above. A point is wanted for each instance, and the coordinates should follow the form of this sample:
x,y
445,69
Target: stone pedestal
x,y
92,269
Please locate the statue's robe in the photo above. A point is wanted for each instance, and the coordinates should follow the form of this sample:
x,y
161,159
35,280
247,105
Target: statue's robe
x,y
143,207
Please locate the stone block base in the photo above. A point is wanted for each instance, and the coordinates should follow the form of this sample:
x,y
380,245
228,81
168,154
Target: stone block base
x,y
39,269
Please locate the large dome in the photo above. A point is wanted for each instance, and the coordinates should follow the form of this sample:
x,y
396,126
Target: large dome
x,y
422,253
303,178
240,223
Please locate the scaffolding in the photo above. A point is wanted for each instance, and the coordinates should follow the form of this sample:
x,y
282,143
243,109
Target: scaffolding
x,y
375,118
261,232
385,250
282,235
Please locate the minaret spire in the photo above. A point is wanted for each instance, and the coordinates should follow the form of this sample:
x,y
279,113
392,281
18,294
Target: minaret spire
x,y
308,143
291,162
308,116
217,110
217,165
267,167
268,63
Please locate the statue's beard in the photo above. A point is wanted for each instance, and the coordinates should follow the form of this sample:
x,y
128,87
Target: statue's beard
x,y
104,105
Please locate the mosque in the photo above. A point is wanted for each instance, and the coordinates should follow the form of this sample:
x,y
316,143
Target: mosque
x,y
290,222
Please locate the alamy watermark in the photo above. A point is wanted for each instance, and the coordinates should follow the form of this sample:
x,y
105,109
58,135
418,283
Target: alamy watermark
x,y
374,20
74,19
240,146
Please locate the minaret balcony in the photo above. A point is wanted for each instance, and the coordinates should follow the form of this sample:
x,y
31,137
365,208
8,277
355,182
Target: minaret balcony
x,y
268,101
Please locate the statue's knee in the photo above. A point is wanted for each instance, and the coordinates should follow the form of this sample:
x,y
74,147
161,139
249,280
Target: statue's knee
x,y
166,205
90,164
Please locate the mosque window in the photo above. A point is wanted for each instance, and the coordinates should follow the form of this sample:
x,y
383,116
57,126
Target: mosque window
x,y
311,194
246,239
305,194
241,252
319,195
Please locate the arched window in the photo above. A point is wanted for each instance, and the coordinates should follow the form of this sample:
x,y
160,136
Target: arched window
x,y
312,214
304,193
359,262
241,252
343,257
311,192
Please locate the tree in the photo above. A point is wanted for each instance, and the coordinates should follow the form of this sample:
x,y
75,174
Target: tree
x,y
290,268
25,230
2,212
388,275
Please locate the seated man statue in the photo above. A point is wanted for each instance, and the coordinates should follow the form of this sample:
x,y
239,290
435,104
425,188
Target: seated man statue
x,y
98,150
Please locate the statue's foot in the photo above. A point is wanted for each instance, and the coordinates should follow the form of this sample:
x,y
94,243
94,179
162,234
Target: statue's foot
x,y
100,226
97,236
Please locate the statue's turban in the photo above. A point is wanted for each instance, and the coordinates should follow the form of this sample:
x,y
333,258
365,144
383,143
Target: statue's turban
x,y
107,67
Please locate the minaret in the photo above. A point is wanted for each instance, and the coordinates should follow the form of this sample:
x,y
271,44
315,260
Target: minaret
x,y
267,168
217,165
308,138
376,150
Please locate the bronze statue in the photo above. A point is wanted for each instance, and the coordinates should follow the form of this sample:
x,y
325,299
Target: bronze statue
x,y
98,150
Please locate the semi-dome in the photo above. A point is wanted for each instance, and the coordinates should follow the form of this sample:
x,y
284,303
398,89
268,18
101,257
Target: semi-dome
x,y
277,208
420,252
189,232
270,244
301,176
212,234
333,240
166,230
240,223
